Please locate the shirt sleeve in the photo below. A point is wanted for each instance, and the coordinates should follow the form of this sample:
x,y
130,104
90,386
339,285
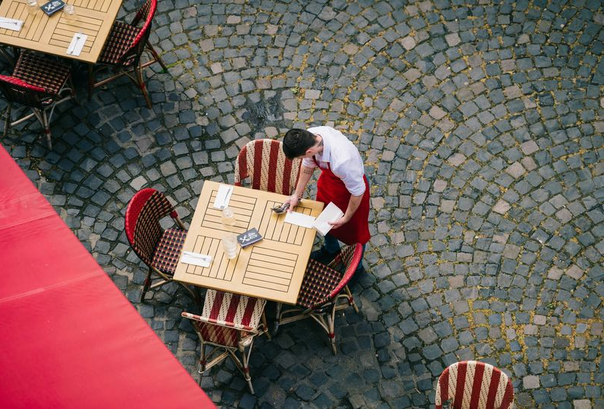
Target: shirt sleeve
x,y
309,163
352,176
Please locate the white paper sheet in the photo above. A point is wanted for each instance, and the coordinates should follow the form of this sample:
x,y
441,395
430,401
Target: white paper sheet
x,y
10,24
77,44
197,259
299,219
223,196
330,214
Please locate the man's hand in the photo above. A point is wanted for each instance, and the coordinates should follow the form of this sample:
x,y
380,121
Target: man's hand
x,y
340,222
293,201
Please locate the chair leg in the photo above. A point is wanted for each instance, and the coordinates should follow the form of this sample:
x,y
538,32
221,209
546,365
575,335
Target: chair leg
x,y
141,83
146,286
156,56
245,368
332,330
7,123
351,299
46,125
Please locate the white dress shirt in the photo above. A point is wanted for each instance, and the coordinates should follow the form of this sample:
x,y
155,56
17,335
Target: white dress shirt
x,y
343,157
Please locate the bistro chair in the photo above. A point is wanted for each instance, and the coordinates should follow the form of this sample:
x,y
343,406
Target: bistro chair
x,y
228,325
38,83
265,165
158,248
474,385
325,291
123,51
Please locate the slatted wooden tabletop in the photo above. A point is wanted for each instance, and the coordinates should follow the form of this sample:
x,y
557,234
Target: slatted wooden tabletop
x,y
272,269
53,34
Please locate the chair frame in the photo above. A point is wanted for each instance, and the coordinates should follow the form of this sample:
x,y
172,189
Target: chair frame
x,y
134,210
129,64
219,352
276,173
339,298
39,100
484,388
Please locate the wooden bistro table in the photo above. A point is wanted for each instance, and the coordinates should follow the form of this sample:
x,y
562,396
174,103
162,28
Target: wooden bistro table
x,y
271,269
53,34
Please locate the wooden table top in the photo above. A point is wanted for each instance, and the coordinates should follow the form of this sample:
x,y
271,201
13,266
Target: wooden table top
x,y
53,34
272,269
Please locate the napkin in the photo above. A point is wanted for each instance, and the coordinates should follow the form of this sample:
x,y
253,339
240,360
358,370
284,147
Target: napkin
x,y
10,24
223,196
299,219
330,214
77,43
197,259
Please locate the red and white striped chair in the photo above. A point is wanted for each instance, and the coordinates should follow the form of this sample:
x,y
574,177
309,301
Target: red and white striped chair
x,y
158,248
228,324
474,385
325,291
267,167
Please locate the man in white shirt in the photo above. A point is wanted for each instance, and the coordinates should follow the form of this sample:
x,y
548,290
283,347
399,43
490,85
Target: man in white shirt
x,y
342,182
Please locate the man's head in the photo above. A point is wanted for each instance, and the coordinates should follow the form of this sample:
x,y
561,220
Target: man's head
x,y
299,143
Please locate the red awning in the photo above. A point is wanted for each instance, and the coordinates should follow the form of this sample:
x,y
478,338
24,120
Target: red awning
x,y
68,336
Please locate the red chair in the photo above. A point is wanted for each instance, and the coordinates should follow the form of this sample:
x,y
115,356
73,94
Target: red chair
x,y
325,291
228,324
123,51
265,165
39,83
158,248
474,385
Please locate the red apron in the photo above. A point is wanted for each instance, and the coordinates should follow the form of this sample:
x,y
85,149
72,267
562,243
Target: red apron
x,y
330,188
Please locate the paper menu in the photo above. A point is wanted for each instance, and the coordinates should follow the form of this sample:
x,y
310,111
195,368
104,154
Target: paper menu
x,y
330,214
299,219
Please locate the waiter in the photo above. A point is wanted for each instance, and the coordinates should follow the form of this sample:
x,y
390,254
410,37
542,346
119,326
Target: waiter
x,y
342,182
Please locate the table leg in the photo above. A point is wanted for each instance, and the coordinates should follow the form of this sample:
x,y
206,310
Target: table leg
x,y
277,319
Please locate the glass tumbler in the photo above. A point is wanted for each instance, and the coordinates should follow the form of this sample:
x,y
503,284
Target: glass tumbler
x,y
228,217
69,11
32,6
229,245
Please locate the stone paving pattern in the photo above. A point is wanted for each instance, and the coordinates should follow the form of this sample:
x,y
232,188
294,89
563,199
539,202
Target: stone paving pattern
x,y
481,126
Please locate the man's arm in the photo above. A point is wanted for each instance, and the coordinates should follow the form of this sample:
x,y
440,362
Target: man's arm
x,y
305,175
353,205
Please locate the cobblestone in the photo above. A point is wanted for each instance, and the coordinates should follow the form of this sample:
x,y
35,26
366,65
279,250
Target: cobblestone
x,y
481,129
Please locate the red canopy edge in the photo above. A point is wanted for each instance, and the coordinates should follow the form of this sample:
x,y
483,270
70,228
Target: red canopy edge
x,y
68,336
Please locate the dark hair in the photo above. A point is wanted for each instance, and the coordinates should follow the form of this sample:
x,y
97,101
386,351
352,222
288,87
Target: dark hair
x,y
296,142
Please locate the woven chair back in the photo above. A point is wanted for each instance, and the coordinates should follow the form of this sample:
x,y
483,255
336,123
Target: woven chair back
x,y
16,90
267,167
145,14
143,216
474,385
347,262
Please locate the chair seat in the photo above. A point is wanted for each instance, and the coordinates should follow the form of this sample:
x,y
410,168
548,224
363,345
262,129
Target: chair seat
x,y
42,72
216,334
168,250
121,37
319,282
232,310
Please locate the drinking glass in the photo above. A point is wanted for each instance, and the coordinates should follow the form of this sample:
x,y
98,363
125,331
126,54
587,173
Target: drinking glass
x,y
69,11
32,6
228,217
229,245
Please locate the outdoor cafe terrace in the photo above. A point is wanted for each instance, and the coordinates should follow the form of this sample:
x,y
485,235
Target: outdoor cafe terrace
x,y
480,124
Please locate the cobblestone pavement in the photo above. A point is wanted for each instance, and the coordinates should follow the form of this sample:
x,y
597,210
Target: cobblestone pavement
x,y
481,128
